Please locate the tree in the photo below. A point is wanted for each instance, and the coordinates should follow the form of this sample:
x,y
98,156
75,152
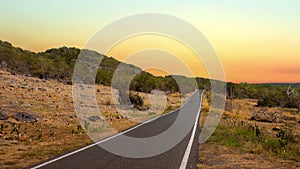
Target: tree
x,y
230,93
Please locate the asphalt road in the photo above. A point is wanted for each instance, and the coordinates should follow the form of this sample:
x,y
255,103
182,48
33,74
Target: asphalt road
x,y
182,155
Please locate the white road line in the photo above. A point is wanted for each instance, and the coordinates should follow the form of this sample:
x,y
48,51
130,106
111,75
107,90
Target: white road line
x,y
189,147
111,137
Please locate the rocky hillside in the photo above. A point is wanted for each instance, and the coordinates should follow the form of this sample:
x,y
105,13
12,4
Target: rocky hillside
x,y
38,120
59,64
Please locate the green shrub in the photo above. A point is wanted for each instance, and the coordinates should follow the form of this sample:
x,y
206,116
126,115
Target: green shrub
x,y
283,138
136,99
251,138
151,113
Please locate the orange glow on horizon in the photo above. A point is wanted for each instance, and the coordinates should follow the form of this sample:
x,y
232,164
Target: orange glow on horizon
x,y
182,55
156,72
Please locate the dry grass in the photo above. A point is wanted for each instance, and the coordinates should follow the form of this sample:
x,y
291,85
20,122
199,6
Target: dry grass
x,y
214,156
235,143
58,129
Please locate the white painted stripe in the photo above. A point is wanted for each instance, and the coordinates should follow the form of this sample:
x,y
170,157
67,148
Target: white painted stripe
x,y
111,137
189,146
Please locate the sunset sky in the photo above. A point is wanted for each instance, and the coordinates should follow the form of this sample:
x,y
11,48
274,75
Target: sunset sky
x,y
257,40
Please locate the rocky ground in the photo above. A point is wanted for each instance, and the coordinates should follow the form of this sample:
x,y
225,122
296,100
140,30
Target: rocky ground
x,y
38,120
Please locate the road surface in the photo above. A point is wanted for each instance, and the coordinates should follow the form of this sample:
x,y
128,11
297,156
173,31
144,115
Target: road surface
x,y
181,156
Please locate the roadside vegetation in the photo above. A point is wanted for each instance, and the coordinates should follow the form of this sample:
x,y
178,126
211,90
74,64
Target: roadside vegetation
x,y
268,95
249,134
253,139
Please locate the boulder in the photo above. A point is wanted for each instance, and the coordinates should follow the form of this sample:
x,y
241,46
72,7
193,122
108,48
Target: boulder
x,y
94,118
277,128
267,115
25,117
42,89
142,108
119,117
3,116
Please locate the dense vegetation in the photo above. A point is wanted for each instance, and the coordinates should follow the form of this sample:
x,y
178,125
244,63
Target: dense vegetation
x,y
269,95
59,64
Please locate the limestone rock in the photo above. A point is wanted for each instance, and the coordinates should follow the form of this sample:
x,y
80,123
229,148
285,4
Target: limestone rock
x,y
3,116
267,115
26,117
94,118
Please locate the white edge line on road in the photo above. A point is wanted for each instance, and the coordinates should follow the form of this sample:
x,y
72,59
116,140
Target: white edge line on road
x,y
106,139
189,146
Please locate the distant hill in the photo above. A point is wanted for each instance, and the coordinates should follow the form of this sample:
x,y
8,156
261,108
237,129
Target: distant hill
x,y
59,64
51,64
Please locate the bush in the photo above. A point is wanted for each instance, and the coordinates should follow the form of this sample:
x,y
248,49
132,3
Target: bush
x,y
283,138
136,99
